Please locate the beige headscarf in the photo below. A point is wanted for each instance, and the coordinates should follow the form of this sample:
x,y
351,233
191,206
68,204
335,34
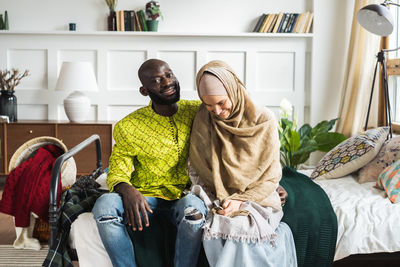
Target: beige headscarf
x,y
238,157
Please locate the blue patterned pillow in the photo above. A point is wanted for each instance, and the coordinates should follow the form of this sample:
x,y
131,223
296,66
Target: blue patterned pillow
x,y
351,154
389,180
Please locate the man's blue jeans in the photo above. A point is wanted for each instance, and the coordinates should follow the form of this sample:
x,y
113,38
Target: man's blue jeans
x,y
111,222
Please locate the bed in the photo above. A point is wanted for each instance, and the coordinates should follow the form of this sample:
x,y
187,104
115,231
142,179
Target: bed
x,y
367,222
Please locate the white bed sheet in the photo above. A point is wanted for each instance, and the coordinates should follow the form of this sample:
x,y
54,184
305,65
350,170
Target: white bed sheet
x,y
367,221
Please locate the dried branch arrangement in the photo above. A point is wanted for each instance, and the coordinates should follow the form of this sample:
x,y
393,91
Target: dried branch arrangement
x,y
9,79
111,4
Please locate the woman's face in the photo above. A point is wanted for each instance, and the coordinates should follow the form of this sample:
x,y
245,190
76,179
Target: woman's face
x,y
220,105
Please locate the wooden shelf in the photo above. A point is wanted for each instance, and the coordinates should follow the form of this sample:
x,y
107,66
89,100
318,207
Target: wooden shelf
x,y
159,34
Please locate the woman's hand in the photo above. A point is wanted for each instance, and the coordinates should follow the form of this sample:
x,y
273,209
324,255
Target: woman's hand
x,y
230,206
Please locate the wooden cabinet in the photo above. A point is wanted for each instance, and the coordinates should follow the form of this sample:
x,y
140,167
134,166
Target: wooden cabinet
x,y
13,135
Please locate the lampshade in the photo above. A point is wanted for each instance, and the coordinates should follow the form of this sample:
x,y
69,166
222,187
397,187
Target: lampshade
x,y
376,19
76,77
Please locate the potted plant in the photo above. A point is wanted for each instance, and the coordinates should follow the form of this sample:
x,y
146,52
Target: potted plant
x,y
111,19
9,79
297,145
153,12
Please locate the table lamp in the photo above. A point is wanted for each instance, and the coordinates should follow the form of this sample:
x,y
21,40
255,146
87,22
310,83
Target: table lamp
x,y
77,77
378,20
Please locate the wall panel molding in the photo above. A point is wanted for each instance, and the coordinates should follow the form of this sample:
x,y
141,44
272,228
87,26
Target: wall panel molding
x,y
272,67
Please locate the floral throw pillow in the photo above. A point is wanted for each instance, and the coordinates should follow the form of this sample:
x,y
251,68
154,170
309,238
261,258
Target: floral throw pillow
x,y
389,180
389,153
351,154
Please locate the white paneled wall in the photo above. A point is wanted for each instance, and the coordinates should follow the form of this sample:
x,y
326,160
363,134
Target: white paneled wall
x,y
273,67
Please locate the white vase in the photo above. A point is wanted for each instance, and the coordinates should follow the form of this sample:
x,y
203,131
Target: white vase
x,y
77,106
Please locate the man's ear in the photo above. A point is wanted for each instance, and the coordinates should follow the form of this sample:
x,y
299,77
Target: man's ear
x,y
143,91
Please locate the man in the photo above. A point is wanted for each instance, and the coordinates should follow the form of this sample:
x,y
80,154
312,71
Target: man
x,y
155,141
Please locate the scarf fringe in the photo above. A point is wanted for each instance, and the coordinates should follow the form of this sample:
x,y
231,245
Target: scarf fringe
x,y
208,235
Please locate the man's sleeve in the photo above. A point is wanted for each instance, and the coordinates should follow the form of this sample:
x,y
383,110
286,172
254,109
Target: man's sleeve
x,y
121,159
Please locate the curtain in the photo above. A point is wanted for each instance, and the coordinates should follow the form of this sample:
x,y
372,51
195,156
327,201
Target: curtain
x,y
358,76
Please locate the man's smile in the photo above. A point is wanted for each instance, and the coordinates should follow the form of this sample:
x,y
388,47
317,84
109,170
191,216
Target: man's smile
x,y
169,91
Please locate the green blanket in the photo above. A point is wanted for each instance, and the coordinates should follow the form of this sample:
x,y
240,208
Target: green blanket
x,y
310,216
154,246
308,213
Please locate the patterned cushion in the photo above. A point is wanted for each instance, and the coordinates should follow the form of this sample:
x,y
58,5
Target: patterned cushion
x,y
389,153
389,180
351,154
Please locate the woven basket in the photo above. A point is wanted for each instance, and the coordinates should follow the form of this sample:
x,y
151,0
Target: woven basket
x,y
41,229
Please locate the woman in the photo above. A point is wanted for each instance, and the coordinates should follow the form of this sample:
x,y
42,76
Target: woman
x,y
234,160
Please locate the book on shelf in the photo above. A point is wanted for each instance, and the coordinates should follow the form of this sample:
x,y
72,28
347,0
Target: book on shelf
x,y
118,20
302,27
132,20
289,23
259,23
269,22
122,19
298,21
274,19
293,22
264,24
127,21
309,23
278,22
137,22
142,19
285,23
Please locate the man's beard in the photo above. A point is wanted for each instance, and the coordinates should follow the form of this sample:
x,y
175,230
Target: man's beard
x,y
162,100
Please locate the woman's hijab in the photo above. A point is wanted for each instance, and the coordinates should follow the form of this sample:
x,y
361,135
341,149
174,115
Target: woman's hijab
x,y
238,157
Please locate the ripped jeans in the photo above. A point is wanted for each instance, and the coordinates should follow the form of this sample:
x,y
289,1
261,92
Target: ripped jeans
x,y
187,214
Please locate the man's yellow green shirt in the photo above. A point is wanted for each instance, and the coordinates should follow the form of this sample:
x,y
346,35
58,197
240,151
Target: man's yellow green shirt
x,y
151,151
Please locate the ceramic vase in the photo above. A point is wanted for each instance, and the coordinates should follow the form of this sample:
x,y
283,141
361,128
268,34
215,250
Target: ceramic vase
x,y
6,26
77,106
111,21
8,105
1,22
152,25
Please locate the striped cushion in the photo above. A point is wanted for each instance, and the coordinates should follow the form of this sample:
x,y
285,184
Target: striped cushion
x,y
389,180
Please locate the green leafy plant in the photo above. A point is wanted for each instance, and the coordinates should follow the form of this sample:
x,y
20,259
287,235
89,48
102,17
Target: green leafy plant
x,y
153,11
297,145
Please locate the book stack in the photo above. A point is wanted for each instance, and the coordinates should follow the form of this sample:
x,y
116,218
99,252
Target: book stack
x,y
285,23
129,20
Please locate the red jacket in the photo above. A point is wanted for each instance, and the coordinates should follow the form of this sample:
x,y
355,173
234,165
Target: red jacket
x,y
27,186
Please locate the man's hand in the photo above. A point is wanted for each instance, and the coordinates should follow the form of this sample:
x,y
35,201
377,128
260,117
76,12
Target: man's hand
x,y
282,194
230,206
134,205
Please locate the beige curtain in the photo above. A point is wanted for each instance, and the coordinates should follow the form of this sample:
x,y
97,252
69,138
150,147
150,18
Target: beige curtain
x,y
358,76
